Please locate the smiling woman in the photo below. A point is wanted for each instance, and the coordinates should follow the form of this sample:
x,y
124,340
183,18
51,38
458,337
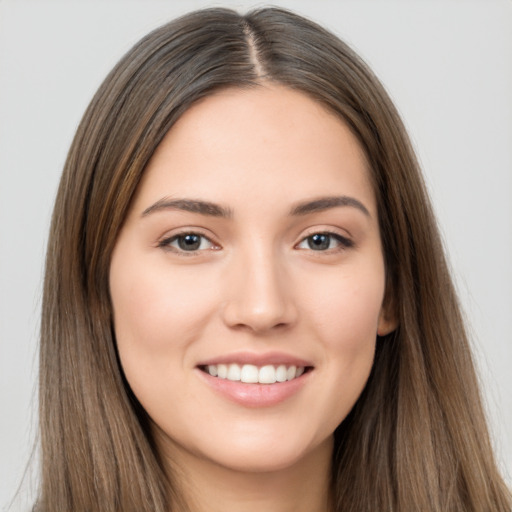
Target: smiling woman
x,y
246,302
213,306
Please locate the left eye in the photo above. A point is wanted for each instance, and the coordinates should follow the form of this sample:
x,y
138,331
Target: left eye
x,y
324,242
188,242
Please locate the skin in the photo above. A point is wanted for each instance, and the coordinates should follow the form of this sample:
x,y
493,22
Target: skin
x,y
255,285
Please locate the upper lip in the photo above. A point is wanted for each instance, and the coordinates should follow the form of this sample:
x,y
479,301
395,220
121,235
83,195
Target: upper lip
x,y
257,359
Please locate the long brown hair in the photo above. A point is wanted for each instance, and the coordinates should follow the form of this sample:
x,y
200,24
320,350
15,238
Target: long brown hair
x,y
416,438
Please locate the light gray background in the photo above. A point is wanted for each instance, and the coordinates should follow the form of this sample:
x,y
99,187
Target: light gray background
x,y
446,63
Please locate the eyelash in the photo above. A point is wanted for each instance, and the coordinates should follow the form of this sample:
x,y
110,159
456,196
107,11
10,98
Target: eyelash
x,y
166,243
343,242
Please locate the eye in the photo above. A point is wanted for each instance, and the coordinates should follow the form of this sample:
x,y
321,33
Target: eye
x,y
325,242
187,242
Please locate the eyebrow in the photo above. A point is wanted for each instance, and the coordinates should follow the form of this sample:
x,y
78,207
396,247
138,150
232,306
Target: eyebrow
x,y
189,205
325,203
216,210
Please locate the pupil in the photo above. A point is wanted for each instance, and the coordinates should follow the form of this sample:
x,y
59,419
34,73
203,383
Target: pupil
x,y
319,242
189,242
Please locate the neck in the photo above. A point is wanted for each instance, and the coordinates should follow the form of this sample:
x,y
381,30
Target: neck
x,y
209,487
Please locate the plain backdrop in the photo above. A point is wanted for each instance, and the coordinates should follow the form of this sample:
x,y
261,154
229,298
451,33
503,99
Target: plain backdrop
x,y
448,66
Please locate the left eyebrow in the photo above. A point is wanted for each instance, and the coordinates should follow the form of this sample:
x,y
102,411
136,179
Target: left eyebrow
x,y
325,203
189,205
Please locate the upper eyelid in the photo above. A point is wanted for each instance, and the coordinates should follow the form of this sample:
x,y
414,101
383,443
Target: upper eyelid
x,y
165,241
174,233
344,240
339,232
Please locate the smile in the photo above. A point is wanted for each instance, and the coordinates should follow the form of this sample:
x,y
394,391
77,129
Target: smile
x,y
252,374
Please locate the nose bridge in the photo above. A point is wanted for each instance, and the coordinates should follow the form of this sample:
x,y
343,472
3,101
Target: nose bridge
x,y
259,296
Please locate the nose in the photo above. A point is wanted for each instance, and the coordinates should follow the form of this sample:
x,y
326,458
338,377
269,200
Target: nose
x,y
259,295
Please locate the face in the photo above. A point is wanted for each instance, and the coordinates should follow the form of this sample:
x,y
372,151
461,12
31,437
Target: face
x,y
248,280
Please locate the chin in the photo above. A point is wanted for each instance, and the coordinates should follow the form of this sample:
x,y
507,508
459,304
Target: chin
x,y
259,462
268,455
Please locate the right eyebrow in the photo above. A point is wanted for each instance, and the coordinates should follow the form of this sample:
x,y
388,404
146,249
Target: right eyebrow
x,y
189,205
325,203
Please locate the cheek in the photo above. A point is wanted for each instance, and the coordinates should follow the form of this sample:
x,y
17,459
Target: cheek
x,y
157,309
344,315
158,314
346,309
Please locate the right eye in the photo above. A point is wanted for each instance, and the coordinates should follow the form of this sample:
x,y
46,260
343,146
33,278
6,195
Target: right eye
x,y
187,242
325,242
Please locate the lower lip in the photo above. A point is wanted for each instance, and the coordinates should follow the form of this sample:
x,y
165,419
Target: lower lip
x,y
255,395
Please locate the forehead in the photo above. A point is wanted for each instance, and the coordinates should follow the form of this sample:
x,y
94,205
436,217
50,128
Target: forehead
x,y
267,142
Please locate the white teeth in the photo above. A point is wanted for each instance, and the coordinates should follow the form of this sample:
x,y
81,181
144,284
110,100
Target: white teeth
x,y
251,374
281,373
233,372
222,371
290,373
267,374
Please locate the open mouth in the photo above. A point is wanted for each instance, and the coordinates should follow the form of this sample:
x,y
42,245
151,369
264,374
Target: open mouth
x,y
252,374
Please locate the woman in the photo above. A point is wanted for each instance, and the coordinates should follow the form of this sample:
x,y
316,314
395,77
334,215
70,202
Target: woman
x,y
246,300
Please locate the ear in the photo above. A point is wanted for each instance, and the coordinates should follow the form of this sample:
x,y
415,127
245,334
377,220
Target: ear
x,y
386,323
387,320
